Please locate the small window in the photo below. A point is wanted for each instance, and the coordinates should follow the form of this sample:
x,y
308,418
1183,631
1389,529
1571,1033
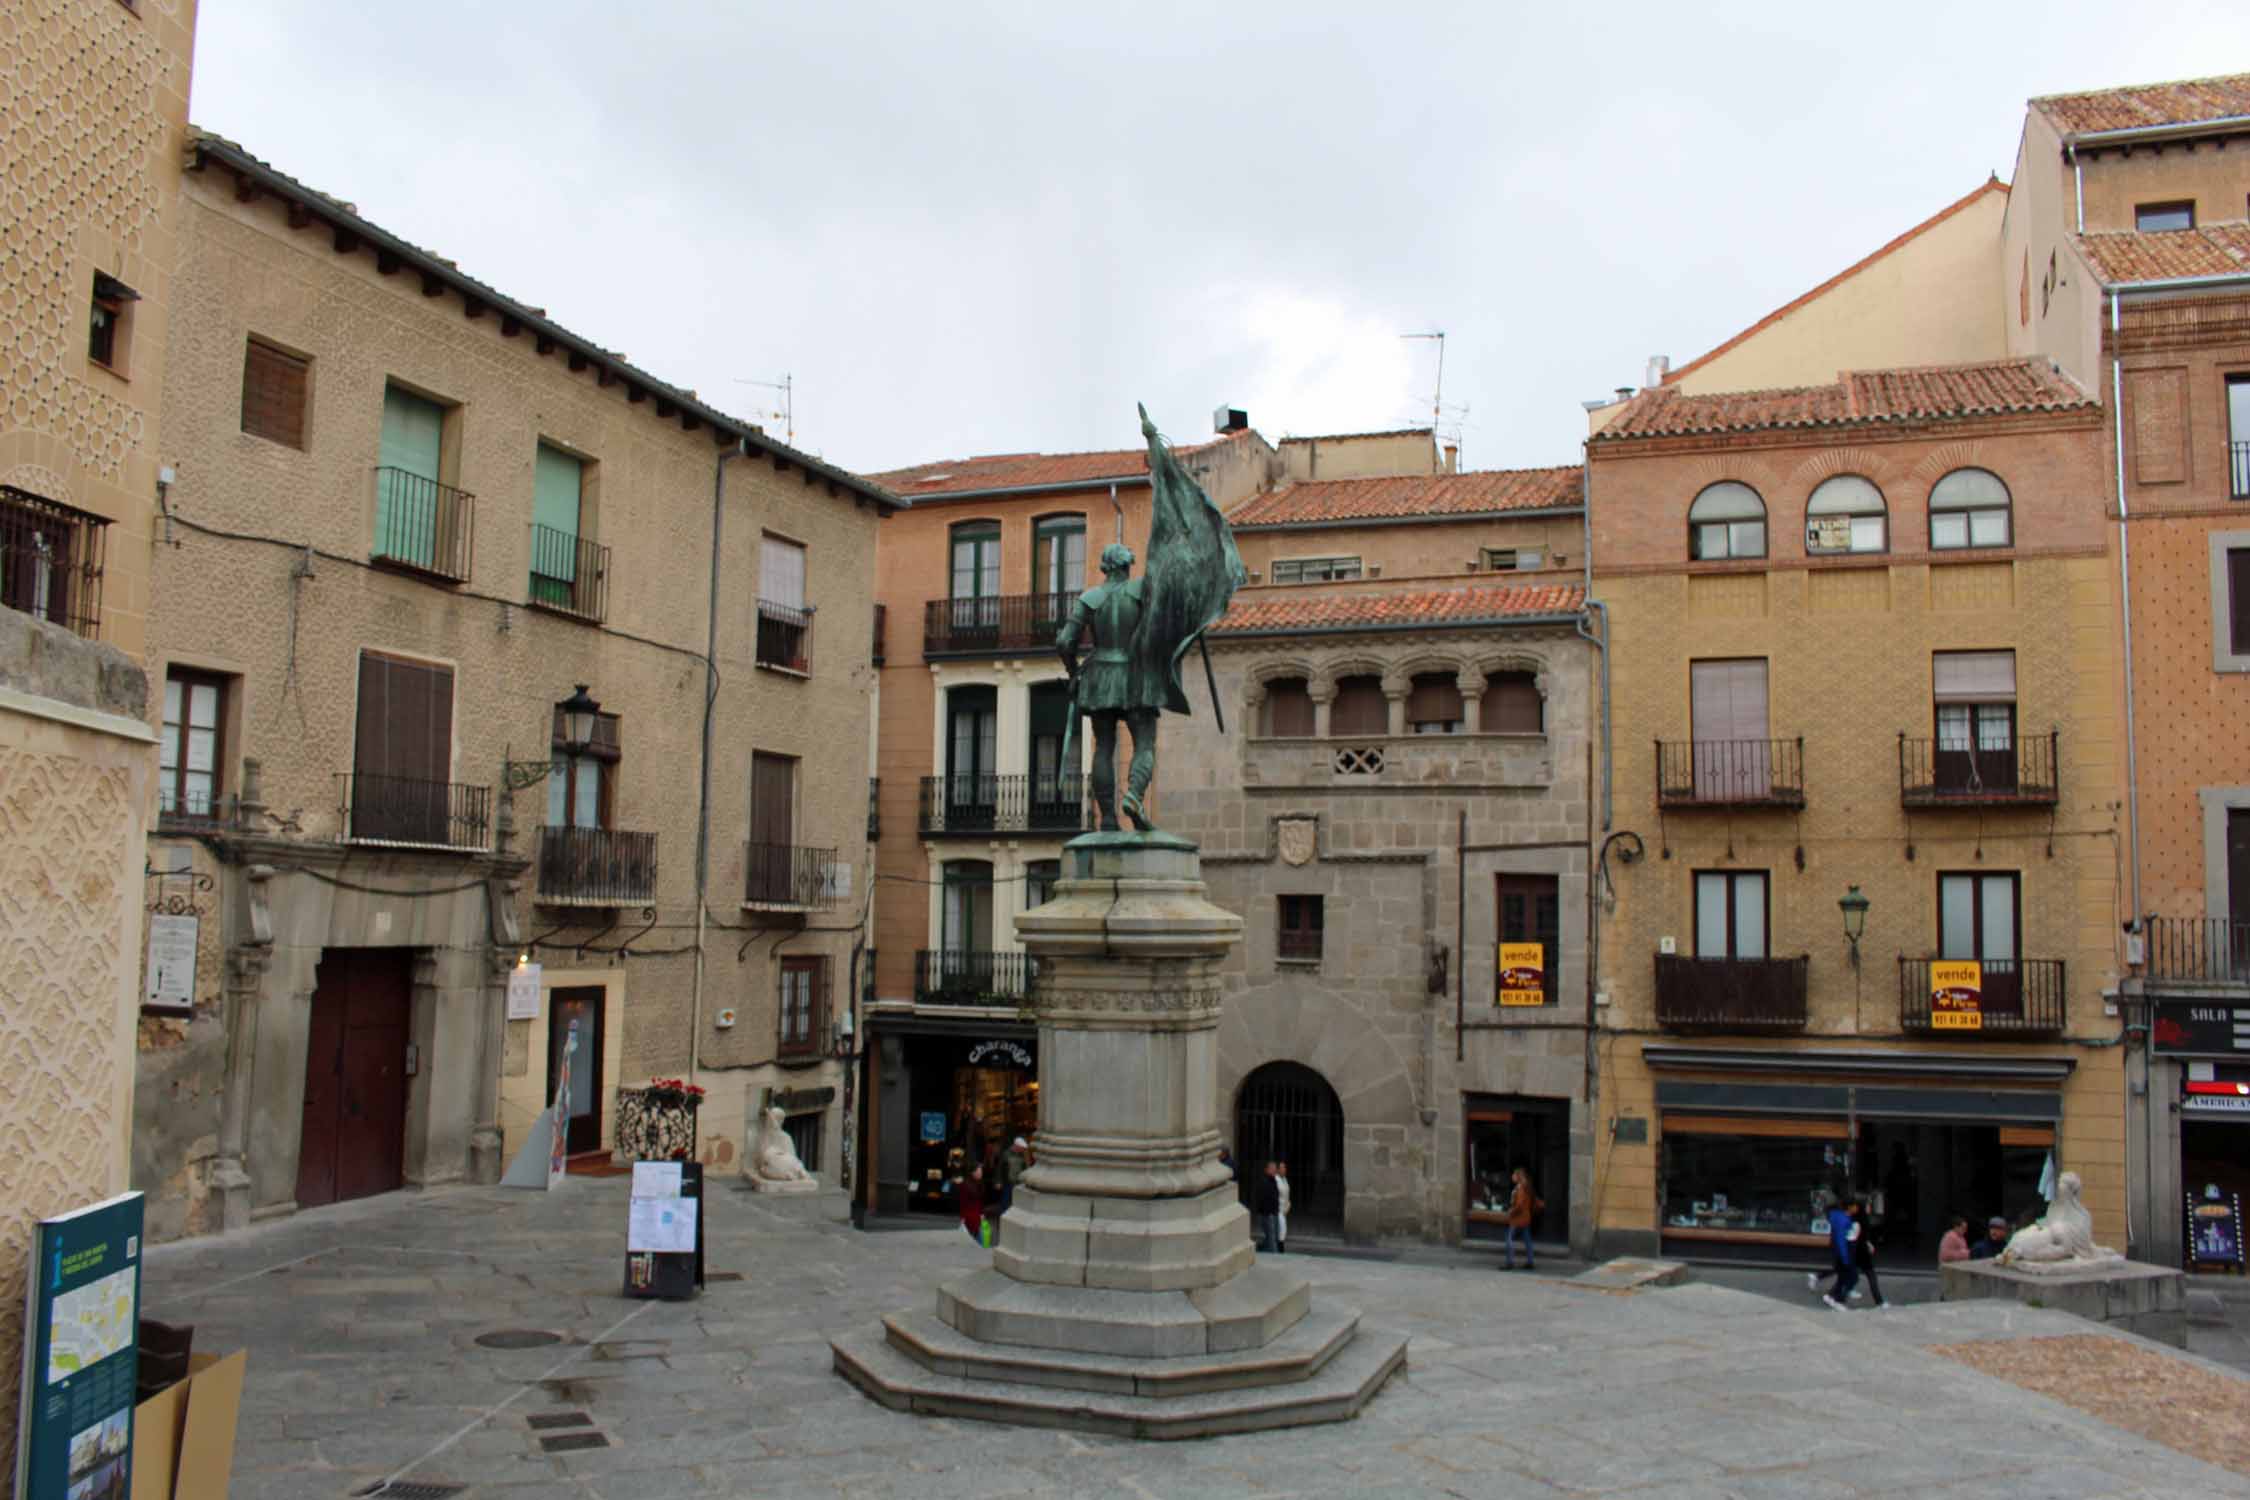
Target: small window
x,y
802,1000
1846,514
1039,877
582,780
1730,914
2238,437
2238,599
1058,555
273,394
1360,709
1531,912
784,618
1289,708
1727,520
1512,705
1315,569
1299,937
190,752
2153,218
1970,508
975,550
109,330
1497,559
1433,704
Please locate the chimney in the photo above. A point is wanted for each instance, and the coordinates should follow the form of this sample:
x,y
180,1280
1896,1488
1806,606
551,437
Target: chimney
x,y
1624,393
1659,366
1452,458
1229,419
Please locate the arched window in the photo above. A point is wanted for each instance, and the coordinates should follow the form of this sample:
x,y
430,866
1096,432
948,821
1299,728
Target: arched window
x,y
1511,705
1289,709
1970,508
1846,514
1360,708
1058,555
1727,520
1433,706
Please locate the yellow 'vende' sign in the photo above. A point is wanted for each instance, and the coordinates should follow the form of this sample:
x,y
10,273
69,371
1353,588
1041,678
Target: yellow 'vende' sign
x,y
1523,974
1956,995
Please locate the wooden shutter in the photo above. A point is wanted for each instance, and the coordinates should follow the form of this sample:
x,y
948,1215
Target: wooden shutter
x,y
1435,698
781,573
405,718
1289,709
1974,676
1360,708
772,799
1511,705
1729,699
273,394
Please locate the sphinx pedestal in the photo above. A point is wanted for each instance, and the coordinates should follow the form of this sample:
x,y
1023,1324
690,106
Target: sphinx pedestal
x,y
1124,1294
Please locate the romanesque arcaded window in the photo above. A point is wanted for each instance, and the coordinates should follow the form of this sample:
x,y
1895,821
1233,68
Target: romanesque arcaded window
x,y
1289,708
1512,705
1360,708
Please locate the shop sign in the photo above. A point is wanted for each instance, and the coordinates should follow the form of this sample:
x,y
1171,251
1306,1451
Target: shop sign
x,y
2215,1096
81,1353
1956,995
2206,1029
171,963
523,992
933,1126
1523,974
1829,534
1007,1052
2214,1230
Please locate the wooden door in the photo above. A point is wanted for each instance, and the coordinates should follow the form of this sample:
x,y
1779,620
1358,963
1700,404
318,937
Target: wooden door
x,y
403,751
582,1004
1733,755
352,1140
773,821
2238,892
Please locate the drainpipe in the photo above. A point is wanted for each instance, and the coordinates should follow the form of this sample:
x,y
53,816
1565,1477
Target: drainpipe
x,y
1593,607
741,449
2125,596
2078,183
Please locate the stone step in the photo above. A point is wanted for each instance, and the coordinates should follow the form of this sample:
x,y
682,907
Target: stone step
x,y
1298,1354
1335,1393
1249,1311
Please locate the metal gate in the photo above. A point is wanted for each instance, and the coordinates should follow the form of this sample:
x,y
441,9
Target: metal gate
x,y
1286,1112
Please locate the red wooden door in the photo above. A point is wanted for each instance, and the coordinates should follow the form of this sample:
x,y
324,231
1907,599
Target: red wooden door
x,y
353,1140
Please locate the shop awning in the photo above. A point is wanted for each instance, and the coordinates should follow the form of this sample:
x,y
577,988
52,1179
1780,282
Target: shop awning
x,y
1860,1063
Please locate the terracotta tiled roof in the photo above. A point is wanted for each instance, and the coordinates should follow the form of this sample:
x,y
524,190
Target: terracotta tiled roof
x,y
2211,250
1294,609
1009,471
1474,493
2185,103
1858,398
1993,185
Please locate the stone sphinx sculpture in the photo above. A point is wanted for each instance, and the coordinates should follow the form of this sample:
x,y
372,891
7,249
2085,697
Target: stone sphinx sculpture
x,y
772,1161
2061,1243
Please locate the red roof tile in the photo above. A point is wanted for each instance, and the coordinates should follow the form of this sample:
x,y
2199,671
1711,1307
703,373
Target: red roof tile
x,y
1858,398
1993,185
1474,493
2126,256
1297,609
2188,102
1008,471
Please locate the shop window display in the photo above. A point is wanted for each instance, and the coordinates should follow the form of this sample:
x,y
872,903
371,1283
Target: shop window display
x,y
1742,1185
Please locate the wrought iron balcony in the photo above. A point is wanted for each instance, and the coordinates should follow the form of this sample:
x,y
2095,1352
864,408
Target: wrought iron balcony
x,y
2019,997
1730,773
596,867
785,636
51,560
569,574
1004,804
412,812
2199,950
423,526
997,623
786,877
1933,773
1748,995
971,977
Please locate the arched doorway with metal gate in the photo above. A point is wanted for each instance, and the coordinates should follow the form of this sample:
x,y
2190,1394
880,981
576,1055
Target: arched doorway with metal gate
x,y
1286,1112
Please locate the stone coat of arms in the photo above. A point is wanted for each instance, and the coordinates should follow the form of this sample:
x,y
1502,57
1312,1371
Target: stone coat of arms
x,y
1297,838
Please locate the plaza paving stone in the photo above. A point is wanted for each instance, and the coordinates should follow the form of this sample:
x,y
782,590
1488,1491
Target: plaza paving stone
x,y
361,1323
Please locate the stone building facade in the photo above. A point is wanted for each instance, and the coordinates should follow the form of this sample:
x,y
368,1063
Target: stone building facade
x,y
437,614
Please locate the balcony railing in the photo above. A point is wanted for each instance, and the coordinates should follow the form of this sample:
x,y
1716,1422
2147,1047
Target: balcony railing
x,y
2018,997
971,977
997,622
1730,994
423,525
1730,773
569,574
51,560
2240,454
1004,804
2199,950
785,636
1933,773
596,867
789,877
407,810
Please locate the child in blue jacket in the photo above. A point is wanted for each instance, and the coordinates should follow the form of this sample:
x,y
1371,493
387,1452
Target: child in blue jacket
x,y
1843,1232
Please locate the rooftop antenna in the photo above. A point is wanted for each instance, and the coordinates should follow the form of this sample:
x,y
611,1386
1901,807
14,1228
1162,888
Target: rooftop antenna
x,y
1118,506
787,385
1437,396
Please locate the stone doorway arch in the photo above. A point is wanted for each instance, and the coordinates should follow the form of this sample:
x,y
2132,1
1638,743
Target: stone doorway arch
x,y
1284,1111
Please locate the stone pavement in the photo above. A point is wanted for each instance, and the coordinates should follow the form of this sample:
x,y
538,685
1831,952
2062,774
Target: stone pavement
x,y
361,1323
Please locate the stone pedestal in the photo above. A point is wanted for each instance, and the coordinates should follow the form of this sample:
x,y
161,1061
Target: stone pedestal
x,y
2148,1300
1124,1294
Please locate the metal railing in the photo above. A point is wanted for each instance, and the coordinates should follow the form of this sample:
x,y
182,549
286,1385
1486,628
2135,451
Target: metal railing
x,y
596,867
785,636
423,525
1730,773
1933,774
789,875
1004,804
379,809
569,574
2199,950
975,976
996,622
2017,997
51,560
2239,453
1730,994
882,629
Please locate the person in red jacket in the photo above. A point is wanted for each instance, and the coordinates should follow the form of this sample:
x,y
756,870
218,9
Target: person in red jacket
x,y
971,1195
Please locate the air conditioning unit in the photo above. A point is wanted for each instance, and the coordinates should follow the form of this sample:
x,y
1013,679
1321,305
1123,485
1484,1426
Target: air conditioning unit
x,y
1374,570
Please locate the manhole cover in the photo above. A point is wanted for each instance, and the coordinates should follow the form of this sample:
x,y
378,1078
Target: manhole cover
x,y
567,1441
411,1489
518,1338
546,1420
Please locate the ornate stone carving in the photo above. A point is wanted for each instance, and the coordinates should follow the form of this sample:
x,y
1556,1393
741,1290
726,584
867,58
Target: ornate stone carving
x,y
2063,1242
1297,839
772,1163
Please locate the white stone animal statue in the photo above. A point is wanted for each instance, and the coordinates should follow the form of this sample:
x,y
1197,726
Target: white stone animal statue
x,y
2061,1242
773,1163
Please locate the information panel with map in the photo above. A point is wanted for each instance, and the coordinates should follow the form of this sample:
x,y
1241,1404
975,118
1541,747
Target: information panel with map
x,y
82,1356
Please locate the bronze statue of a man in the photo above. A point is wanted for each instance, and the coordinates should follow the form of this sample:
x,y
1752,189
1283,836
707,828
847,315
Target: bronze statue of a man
x,y
1112,685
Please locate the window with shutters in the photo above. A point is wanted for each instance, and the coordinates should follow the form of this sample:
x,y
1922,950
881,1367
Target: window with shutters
x,y
569,571
109,329
423,523
398,788
582,780
1974,695
1315,569
803,1005
1360,709
1289,708
1970,508
1433,704
1297,938
2230,601
784,616
1511,704
1530,911
274,386
191,753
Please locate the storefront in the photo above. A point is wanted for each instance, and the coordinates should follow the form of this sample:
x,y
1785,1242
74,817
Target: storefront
x,y
947,1097
2206,1046
1501,1132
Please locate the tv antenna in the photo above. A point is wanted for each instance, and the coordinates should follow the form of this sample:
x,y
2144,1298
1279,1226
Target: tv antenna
x,y
1437,392
787,385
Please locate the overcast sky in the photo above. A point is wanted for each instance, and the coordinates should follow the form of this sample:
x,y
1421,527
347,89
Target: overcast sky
x,y
977,228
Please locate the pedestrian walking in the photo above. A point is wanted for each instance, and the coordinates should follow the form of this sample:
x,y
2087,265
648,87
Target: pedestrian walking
x,y
1281,1217
1863,1256
1523,1205
971,1194
1842,1230
1265,1207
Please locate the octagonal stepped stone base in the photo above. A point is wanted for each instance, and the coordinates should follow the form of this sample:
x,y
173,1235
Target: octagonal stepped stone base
x,y
1298,1354
1253,1309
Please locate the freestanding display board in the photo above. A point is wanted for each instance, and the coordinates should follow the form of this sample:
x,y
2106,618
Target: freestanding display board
x,y
664,1230
81,1354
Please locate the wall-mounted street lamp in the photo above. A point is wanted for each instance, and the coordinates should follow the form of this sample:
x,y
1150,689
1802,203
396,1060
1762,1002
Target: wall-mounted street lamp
x,y
1854,907
580,712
